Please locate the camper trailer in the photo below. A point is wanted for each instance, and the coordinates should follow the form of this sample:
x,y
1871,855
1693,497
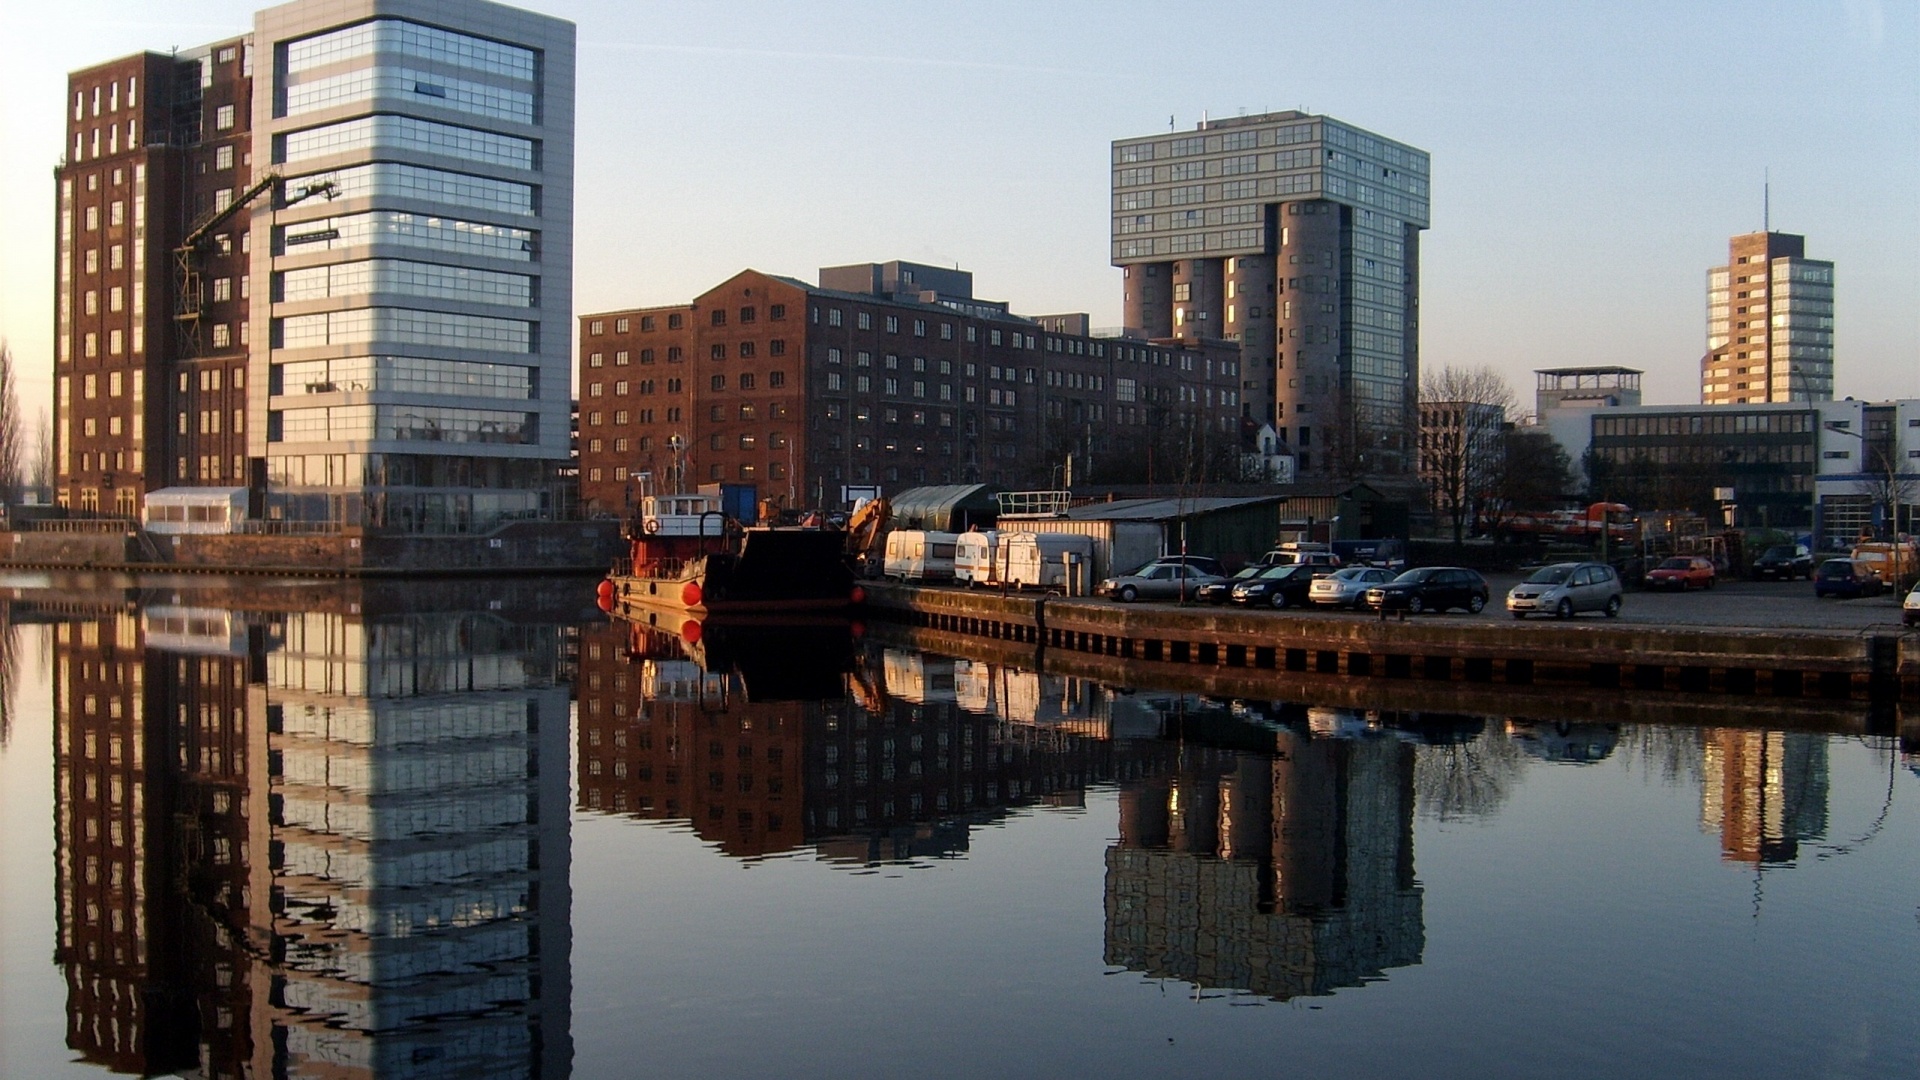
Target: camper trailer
x,y
914,555
1040,559
976,558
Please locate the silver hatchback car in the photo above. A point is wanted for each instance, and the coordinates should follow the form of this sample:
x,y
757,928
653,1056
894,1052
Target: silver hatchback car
x,y
1564,589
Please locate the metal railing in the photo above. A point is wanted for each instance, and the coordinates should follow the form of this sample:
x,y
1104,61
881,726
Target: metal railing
x,y
1034,503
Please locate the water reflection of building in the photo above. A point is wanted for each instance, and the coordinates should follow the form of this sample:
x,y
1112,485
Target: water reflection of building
x,y
1284,875
1764,792
895,769
313,844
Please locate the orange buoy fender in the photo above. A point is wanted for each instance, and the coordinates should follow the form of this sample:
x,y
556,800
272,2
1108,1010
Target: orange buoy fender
x,y
859,594
690,594
690,631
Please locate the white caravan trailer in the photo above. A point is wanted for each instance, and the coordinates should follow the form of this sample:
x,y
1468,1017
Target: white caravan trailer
x,y
976,558
1040,559
914,555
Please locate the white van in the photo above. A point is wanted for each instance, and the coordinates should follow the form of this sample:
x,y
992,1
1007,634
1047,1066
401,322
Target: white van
x,y
1040,559
913,555
975,560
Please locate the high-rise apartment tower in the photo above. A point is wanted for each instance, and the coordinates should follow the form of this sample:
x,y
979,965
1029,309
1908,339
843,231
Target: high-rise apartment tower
x,y
1297,236
377,332
1769,323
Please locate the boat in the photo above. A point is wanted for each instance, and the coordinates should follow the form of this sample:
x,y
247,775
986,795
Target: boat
x,y
687,556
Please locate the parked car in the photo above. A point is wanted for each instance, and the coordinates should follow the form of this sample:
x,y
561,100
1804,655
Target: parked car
x,y
1565,589
1784,561
1910,608
1431,588
1346,587
1217,592
1846,577
1157,581
1682,572
1204,563
1317,556
1275,586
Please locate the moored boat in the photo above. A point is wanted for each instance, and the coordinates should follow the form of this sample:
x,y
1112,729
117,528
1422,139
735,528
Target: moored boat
x,y
686,555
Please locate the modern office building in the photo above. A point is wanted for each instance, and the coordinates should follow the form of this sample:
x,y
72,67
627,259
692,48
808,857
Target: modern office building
x,y
1769,324
329,261
1836,470
1297,237
892,375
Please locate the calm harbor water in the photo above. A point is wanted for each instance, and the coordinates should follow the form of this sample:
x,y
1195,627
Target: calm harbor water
x,y
475,829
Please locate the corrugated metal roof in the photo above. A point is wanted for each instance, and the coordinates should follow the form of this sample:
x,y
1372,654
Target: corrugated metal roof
x,y
933,507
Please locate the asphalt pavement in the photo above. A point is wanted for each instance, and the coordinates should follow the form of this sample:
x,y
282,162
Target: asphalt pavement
x,y
1771,605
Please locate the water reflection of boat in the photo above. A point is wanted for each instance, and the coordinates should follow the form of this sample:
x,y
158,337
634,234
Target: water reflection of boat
x,y
686,554
797,657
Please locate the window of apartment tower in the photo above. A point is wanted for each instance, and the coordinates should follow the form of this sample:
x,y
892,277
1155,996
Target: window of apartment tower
x,y
777,347
776,379
863,320
893,324
716,413
719,382
746,314
673,354
675,321
746,350
746,412
746,382
776,312
596,328
620,326
717,351
646,324
719,317
646,356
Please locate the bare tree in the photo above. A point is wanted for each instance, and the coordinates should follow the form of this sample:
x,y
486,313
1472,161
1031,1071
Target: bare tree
x,y
1462,414
1882,482
1532,473
40,470
12,429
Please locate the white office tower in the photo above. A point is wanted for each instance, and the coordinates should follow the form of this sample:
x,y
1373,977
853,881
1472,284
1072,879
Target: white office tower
x,y
416,375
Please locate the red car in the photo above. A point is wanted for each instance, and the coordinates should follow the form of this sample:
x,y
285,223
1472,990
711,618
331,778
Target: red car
x,y
1682,572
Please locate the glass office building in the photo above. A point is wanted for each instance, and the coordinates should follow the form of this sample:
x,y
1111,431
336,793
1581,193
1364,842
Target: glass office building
x,y
418,254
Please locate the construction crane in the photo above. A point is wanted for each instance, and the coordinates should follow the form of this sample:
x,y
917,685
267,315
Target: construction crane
x,y
865,532
188,298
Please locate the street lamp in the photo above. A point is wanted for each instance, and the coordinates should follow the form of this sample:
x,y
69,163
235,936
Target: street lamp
x,y
1893,477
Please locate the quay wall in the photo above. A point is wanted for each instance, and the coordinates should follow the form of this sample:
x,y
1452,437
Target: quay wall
x,y
518,547
1604,656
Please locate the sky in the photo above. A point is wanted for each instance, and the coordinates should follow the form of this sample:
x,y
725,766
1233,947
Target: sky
x,y
1590,160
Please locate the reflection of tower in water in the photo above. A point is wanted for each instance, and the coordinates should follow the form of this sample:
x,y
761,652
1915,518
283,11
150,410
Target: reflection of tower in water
x,y
338,858
1764,792
1283,875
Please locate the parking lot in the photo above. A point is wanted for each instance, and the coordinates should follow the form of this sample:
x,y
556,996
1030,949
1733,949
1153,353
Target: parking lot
x,y
1769,605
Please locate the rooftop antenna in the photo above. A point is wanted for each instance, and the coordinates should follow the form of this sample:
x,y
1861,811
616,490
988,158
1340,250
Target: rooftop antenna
x,y
1169,121
1766,200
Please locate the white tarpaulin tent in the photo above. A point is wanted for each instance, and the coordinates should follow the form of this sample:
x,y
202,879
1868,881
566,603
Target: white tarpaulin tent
x,y
196,510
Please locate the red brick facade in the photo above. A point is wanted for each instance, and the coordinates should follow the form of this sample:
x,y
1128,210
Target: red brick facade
x,y
800,390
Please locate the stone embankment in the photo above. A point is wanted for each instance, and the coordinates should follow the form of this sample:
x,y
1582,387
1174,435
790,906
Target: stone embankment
x,y
1612,656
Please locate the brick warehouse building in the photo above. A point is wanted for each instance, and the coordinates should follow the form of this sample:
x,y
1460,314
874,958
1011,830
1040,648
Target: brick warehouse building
x,y
890,374
144,400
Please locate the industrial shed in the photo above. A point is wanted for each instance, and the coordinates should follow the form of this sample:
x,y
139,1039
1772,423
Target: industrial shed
x,y
1129,532
945,507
